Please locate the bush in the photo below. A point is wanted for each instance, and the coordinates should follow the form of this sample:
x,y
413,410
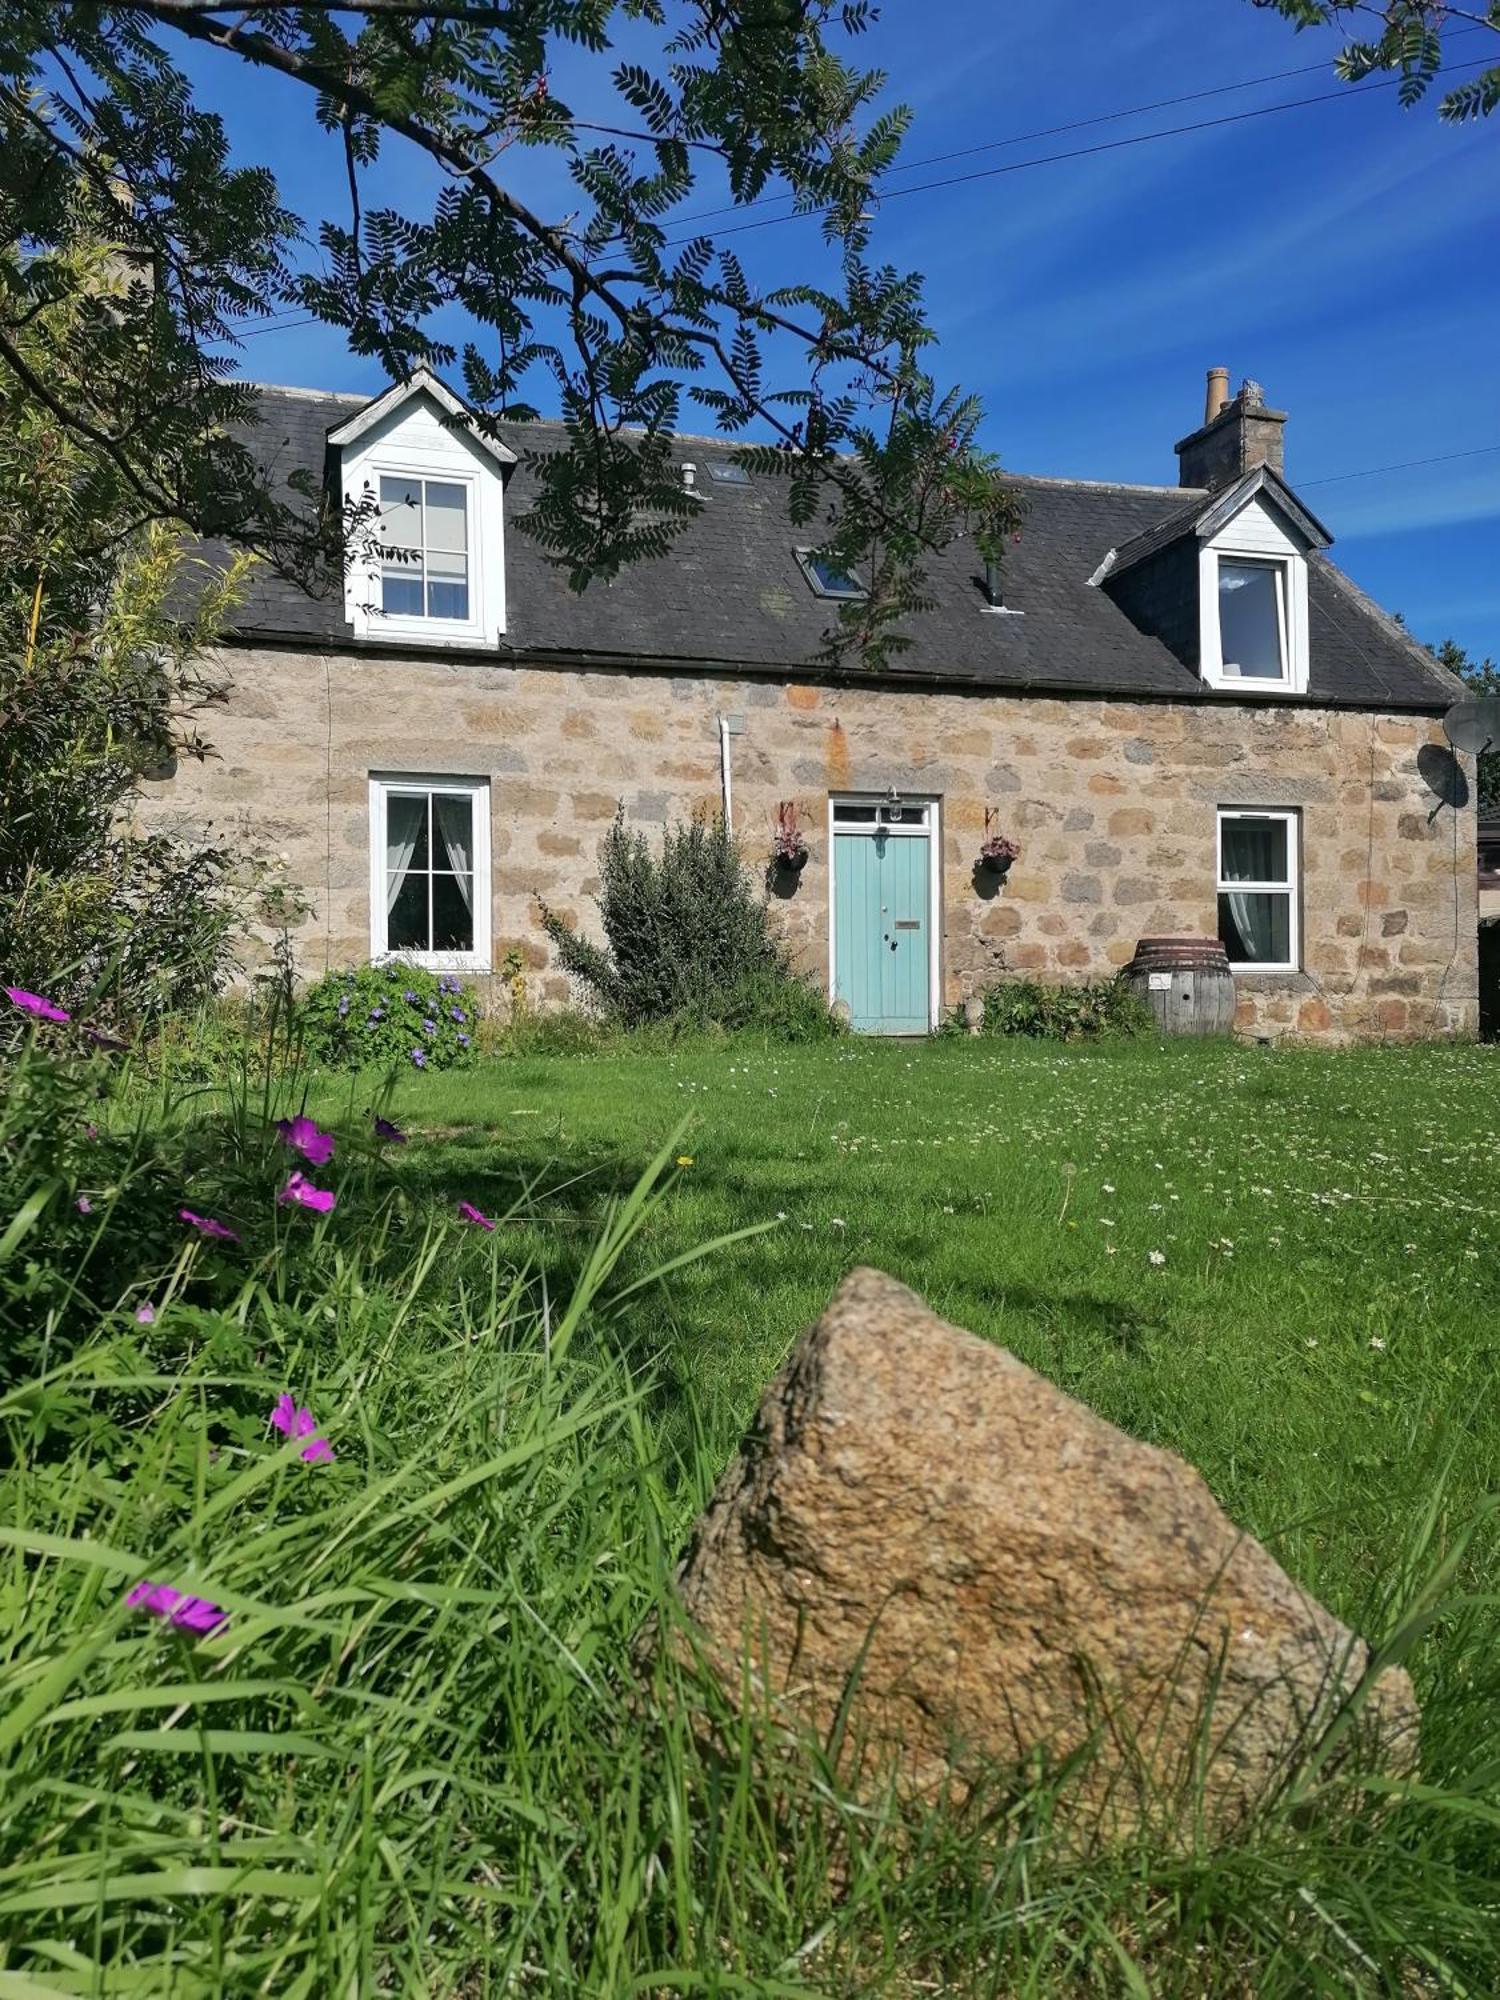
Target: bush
x,y
383,1015
688,939
1064,1013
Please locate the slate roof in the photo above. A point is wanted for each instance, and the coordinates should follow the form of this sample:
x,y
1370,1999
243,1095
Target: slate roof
x,y
732,595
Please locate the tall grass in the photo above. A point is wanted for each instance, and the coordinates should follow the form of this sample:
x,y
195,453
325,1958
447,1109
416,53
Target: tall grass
x,y
425,1755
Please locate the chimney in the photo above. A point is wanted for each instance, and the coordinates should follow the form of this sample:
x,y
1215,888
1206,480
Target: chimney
x,y
1234,435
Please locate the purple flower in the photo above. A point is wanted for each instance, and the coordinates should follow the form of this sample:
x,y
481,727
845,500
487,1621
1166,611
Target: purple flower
x,y
300,1193
457,1014
295,1420
162,1601
410,998
429,1027
33,1003
419,1057
376,1014
84,1205
303,1136
384,1129
146,1314
343,1006
471,1214
206,1226
463,1041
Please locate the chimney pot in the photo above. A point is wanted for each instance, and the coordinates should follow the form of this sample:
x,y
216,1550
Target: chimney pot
x,y
1218,393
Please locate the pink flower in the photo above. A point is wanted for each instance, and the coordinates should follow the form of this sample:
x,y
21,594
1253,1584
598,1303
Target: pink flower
x,y
297,1421
84,1205
384,1129
162,1601
303,1136
206,1226
299,1191
471,1214
33,1003
146,1314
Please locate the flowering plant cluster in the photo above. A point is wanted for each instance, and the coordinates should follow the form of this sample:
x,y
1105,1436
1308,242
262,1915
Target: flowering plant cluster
x,y
201,1614
788,846
383,1015
998,851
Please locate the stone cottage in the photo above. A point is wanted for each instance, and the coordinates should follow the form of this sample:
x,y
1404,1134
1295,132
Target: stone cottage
x,y
1174,704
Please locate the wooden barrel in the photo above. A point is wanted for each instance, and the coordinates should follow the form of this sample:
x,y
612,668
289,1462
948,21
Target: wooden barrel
x,y
1186,982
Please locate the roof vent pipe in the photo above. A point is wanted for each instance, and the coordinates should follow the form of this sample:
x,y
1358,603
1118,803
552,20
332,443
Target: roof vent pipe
x,y
1218,393
689,476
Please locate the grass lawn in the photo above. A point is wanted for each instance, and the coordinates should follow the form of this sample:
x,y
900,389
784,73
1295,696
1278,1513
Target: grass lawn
x,y
412,1745
1281,1264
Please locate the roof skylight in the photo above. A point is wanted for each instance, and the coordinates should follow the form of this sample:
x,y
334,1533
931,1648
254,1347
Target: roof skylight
x,y
825,580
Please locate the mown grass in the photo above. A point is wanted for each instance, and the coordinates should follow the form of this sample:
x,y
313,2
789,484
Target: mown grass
x,y
1323,1335
423,1758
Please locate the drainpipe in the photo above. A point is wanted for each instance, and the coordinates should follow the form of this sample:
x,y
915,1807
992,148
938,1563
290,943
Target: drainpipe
x,y
724,773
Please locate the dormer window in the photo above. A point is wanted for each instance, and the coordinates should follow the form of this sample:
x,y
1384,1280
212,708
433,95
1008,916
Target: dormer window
x,y
1252,619
425,486
424,562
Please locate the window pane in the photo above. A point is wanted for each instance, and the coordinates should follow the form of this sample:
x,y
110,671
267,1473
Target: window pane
x,y
1253,850
406,921
832,582
447,584
452,913
1255,926
1249,625
401,512
445,518
447,600
405,832
401,591
453,816
850,815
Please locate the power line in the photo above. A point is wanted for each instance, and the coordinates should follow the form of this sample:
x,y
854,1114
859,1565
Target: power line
x,y
1057,131
1087,152
1401,465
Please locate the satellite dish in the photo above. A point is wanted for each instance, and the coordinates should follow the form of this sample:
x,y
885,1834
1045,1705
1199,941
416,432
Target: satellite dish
x,y
1473,725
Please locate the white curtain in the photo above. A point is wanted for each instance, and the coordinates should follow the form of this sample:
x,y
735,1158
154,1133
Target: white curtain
x,y
455,817
403,828
1255,920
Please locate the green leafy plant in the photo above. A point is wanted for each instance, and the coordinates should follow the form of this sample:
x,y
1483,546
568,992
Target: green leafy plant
x,y
1064,1013
384,1015
687,938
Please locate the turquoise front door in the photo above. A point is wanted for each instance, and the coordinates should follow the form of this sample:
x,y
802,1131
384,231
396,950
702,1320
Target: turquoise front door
x,y
882,949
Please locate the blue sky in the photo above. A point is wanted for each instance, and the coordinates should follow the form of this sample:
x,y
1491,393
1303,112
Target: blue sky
x,y
1347,255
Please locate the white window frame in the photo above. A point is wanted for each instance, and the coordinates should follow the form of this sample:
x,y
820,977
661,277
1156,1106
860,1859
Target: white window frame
x,y
1291,888
382,785
1291,602
428,620
930,830
407,626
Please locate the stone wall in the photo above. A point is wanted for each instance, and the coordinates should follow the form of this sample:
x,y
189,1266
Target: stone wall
x,y
1112,802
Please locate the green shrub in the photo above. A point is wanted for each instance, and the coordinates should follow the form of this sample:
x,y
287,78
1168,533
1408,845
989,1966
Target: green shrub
x,y
1064,1013
383,1015
688,938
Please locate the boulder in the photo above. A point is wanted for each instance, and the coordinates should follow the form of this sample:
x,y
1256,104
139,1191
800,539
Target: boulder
x,y
927,1539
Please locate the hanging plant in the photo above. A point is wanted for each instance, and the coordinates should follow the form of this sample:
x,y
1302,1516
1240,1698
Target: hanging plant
x,y
788,848
997,851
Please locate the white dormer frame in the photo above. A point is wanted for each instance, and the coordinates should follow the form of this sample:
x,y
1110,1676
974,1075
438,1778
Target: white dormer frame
x,y
1258,521
420,429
